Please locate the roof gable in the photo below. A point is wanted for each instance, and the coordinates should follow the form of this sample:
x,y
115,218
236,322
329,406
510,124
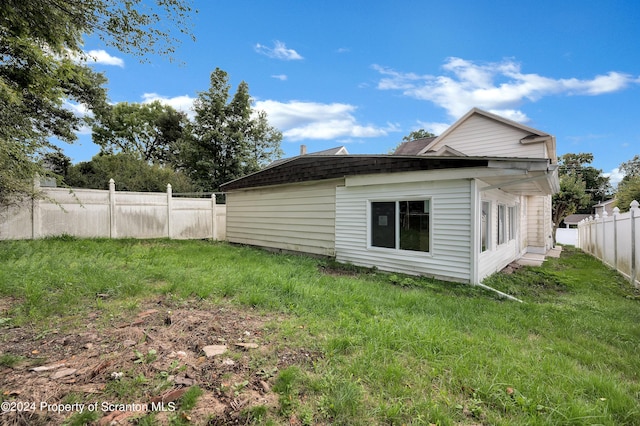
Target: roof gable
x,y
481,133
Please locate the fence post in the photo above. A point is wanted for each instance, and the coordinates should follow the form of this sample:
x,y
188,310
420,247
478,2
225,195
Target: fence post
x,y
214,218
169,208
112,208
616,212
595,247
633,211
36,215
604,236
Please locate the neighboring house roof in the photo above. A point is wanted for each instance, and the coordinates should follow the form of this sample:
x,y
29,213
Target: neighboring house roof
x,y
516,174
574,219
413,147
339,150
605,203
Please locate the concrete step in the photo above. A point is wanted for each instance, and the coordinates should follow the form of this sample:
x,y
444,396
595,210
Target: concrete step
x,y
535,259
531,259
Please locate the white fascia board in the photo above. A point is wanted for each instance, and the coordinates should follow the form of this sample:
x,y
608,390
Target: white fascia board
x,y
430,175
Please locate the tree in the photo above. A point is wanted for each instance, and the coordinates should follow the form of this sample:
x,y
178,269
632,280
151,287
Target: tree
x,y
418,134
130,172
227,138
597,185
628,190
629,186
57,163
150,131
570,199
631,168
41,47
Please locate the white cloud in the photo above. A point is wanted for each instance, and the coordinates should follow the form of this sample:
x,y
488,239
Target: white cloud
x,y
80,110
499,87
181,103
278,51
615,176
312,120
104,58
281,77
434,127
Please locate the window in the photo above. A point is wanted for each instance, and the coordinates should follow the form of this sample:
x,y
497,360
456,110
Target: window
x,y
383,224
502,224
401,225
484,226
513,220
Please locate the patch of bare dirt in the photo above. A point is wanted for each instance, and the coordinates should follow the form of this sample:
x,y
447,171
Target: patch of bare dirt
x,y
145,361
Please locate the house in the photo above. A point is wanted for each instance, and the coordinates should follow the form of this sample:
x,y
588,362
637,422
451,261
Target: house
x,y
458,207
605,207
573,220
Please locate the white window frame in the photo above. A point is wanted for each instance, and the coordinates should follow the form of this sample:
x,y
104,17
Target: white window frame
x,y
503,237
513,222
487,246
397,248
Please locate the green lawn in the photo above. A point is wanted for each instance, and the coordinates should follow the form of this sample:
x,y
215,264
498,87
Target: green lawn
x,y
392,349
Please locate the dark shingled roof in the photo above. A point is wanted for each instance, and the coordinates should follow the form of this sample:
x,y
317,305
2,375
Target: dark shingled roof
x,y
308,168
413,147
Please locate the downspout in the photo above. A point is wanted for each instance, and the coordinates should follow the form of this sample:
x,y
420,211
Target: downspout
x,y
505,295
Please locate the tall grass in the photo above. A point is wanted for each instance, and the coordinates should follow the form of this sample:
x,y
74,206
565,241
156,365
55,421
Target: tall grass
x,y
396,349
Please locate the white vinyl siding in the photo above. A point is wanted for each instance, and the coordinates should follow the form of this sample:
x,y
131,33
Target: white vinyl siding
x,y
450,216
500,252
482,136
539,225
297,217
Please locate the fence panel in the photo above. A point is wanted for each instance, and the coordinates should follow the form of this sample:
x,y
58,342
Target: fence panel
x,y
615,240
113,214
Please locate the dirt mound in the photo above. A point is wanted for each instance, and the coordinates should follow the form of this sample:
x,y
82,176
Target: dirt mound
x,y
209,364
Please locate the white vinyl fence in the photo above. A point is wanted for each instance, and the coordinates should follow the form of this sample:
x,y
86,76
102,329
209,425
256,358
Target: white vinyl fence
x,y
109,213
614,239
567,236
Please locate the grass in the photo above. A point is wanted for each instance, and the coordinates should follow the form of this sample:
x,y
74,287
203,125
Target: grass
x,y
395,349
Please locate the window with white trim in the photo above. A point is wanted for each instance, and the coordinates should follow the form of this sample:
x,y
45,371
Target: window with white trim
x,y
401,225
502,224
513,221
485,226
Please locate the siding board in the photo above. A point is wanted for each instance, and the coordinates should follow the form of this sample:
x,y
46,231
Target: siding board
x,y
481,136
450,216
288,217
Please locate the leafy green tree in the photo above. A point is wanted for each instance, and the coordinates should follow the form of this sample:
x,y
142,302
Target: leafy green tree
x,y
418,134
227,139
57,163
130,173
41,46
631,168
149,131
629,186
571,198
597,186
628,190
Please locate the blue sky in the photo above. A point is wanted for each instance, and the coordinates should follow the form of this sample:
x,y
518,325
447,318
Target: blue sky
x,y
366,73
